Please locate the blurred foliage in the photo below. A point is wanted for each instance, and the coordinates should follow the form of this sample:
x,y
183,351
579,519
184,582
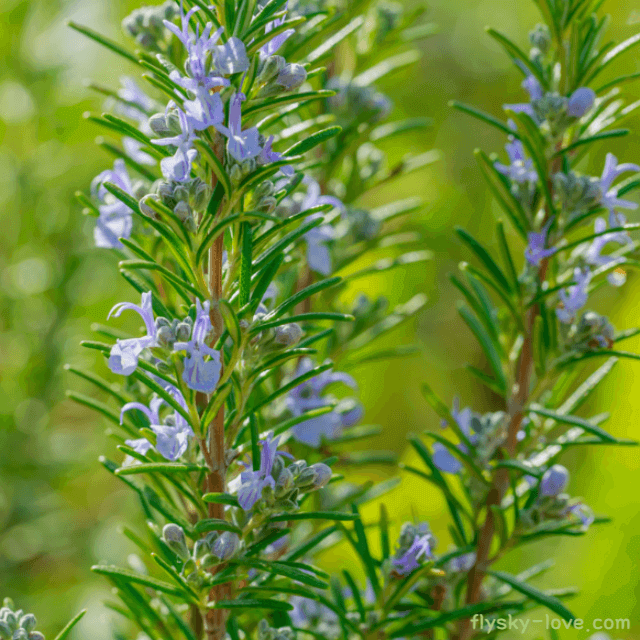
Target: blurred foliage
x,y
58,508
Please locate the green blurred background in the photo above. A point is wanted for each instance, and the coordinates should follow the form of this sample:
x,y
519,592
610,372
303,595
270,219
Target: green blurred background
x,y
59,510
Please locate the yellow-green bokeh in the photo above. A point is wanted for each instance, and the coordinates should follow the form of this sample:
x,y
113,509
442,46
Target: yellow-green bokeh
x,y
59,511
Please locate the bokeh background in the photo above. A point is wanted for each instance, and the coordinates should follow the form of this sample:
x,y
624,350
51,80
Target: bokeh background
x,y
59,511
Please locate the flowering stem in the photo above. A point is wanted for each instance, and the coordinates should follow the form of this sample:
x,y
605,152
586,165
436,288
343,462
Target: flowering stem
x,y
216,619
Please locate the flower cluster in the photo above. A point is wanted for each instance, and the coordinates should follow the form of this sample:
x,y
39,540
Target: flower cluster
x,y
201,366
415,547
311,395
275,487
17,625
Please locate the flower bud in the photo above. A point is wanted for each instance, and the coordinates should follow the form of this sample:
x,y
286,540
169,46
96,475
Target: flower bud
x,y
189,567
28,622
165,190
235,174
248,166
20,634
284,483
165,337
272,66
200,194
144,205
306,479
200,549
580,102
554,481
158,124
173,535
207,561
263,190
288,334
5,630
226,545
36,635
540,38
292,76
323,475
183,332
267,205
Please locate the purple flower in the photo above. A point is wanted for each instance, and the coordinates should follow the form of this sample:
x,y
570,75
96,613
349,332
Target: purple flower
x,y
442,457
205,111
612,170
594,256
580,102
534,89
242,145
133,148
318,255
252,483
198,374
535,251
462,563
172,436
141,446
123,358
520,170
177,168
554,481
308,396
115,220
575,297
268,155
276,42
582,512
406,558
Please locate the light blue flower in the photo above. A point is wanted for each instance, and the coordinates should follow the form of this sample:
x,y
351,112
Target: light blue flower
x,y
177,168
277,41
581,101
115,220
408,557
252,483
242,144
123,358
172,435
536,251
612,170
534,89
268,155
594,256
521,168
318,254
200,375
573,298
442,457
308,396
554,481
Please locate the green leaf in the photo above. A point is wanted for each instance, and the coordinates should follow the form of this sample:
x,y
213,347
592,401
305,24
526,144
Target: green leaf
x,y
137,578
443,412
163,467
614,53
330,43
304,97
105,42
574,421
100,407
485,117
316,515
221,498
282,569
515,52
245,263
384,131
251,603
488,346
215,164
231,322
72,623
304,317
535,594
312,141
214,524
485,257
613,133
372,75
362,547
